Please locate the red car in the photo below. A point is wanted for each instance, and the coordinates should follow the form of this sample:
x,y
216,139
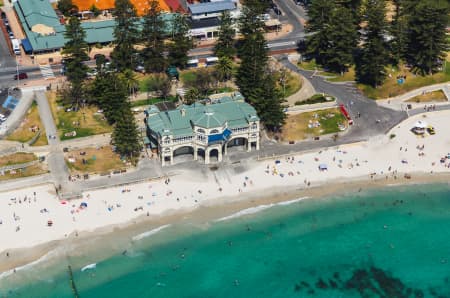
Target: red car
x,y
21,76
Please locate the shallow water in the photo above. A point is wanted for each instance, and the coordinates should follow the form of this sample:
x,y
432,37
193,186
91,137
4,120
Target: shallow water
x,y
384,243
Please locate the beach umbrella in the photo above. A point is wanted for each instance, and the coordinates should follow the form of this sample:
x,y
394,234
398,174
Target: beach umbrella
x,y
421,124
83,205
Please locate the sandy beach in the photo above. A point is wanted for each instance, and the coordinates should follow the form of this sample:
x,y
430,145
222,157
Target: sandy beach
x,y
34,216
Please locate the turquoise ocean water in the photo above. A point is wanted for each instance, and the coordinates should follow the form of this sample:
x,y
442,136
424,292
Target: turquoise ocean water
x,y
393,242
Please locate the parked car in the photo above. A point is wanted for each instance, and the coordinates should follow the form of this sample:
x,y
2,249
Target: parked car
x,y
11,35
6,22
21,76
431,130
276,10
140,68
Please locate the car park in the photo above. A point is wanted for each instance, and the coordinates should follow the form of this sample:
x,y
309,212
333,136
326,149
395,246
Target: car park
x,y
21,76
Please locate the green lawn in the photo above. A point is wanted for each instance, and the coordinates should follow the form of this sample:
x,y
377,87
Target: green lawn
x,y
309,65
85,122
391,88
17,158
24,133
296,127
188,76
348,76
437,95
151,101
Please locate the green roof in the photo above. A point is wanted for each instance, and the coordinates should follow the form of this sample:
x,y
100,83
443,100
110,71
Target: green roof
x,y
179,122
33,12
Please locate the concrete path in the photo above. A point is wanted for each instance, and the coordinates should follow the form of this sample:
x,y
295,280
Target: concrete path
x,y
55,159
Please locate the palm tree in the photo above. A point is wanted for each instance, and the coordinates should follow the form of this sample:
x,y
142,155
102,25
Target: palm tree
x,y
224,68
191,96
130,80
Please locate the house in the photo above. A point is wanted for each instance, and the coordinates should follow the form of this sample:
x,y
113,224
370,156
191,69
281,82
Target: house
x,y
204,18
204,131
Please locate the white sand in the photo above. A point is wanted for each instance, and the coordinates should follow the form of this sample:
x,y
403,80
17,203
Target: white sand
x,y
356,161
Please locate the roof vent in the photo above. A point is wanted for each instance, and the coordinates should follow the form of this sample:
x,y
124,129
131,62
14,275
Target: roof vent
x,y
183,112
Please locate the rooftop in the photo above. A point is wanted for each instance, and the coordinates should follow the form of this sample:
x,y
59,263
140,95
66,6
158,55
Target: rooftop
x,y
179,122
211,7
34,12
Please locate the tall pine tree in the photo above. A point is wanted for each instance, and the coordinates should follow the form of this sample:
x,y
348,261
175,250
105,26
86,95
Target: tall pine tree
x,y
319,25
125,136
110,93
371,63
427,42
342,40
181,42
225,43
153,37
253,78
398,30
125,35
75,51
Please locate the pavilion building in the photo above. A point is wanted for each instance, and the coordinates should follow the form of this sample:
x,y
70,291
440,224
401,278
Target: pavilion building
x,y
203,130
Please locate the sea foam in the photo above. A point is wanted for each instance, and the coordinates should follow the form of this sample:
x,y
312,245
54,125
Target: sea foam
x,y
257,209
149,233
44,258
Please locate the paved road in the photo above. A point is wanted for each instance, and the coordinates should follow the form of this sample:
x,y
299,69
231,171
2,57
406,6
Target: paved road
x,y
6,60
56,164
373,119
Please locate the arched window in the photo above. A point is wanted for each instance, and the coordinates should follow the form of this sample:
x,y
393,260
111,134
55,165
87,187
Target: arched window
x,y
214,131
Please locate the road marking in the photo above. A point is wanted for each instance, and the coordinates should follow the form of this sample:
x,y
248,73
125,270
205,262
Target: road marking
x,y
46,71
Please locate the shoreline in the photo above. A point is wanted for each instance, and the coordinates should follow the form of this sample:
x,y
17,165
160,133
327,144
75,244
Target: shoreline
x,y
122,212
22,258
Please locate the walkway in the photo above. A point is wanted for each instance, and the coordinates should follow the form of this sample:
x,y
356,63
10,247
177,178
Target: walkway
x,y
55,159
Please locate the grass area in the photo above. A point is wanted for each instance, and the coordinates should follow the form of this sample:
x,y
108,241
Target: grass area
x,y
292,85
16,158
151,101
188,76
34,170
335,77
437,95
391,88
98,160
29,128
309,65
300,126
85,122
348,76
316,98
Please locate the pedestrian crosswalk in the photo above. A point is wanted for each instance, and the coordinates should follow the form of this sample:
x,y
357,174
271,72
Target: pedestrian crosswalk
x,y
46,71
